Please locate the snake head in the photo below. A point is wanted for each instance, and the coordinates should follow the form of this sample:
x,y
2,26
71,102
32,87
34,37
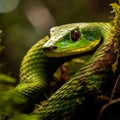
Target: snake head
x,y
72,39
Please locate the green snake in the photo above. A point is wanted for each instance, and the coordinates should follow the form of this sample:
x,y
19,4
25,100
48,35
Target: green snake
x,y
65,42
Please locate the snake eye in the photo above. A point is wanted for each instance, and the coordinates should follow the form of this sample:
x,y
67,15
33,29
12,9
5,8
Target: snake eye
x,y
75,34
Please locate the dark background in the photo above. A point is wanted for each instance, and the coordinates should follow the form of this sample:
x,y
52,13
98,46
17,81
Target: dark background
x,y
24,22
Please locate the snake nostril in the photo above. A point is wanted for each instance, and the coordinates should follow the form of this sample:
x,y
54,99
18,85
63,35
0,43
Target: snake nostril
x,y
54,47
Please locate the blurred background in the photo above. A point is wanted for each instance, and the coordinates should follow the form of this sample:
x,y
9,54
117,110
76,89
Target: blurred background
x,y
24,22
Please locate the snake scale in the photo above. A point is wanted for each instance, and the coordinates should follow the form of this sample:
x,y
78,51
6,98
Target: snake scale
x,y
65,42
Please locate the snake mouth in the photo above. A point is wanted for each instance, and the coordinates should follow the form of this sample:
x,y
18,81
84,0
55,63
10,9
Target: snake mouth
x,y
50,51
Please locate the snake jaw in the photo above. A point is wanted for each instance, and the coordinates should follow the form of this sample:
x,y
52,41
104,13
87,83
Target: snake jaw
x,y
53,50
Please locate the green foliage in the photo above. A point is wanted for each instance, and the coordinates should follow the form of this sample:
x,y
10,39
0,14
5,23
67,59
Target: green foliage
x,y
5,80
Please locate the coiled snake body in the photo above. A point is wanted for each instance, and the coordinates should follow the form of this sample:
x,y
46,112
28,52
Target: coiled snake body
x,y
96,77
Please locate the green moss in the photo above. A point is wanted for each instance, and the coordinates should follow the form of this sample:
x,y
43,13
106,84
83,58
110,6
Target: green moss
x,y
116,21
116,33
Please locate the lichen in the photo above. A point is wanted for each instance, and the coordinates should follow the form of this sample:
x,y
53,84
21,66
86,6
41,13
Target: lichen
x,y
116,33
116,21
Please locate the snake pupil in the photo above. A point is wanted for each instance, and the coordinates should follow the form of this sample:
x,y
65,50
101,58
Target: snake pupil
x,y
75,34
